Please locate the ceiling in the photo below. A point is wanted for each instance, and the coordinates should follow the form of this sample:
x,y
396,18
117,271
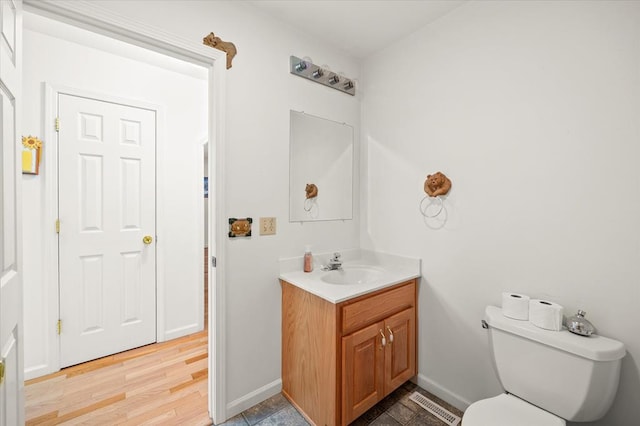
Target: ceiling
x,y
358,27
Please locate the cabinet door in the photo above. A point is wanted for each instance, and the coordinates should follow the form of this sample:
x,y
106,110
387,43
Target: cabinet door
x,y
362,371
400,356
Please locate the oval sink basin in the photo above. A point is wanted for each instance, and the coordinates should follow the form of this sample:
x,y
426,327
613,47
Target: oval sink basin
x,y
352,275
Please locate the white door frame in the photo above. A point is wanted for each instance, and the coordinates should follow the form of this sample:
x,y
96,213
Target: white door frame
x,y
50,161
98,19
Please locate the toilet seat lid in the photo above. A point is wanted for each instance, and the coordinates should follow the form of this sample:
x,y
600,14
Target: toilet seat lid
x,y
508,410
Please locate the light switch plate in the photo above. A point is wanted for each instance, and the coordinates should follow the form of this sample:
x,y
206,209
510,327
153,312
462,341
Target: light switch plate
x,y
267,226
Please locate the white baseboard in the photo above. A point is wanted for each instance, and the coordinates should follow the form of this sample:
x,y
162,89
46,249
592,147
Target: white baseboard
x,y
443,393
237,406
180,331
37,371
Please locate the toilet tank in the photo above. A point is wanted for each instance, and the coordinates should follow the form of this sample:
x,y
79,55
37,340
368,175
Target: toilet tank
x,y
571,376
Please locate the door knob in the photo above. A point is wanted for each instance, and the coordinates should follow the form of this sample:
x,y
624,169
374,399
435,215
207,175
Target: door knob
x,y
147,239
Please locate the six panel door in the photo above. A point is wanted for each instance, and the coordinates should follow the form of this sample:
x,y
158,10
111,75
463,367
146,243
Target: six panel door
x,y
11,332
107,227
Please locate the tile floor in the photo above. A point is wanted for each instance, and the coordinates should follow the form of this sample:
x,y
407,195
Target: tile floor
x,y
394,410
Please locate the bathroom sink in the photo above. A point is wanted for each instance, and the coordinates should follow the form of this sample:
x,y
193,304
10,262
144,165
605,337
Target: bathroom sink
x,y
352,275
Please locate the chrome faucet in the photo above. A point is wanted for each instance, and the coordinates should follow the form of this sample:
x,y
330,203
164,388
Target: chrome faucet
x,y
334,263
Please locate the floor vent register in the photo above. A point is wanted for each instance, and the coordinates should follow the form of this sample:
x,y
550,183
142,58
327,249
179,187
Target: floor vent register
x,y
445,415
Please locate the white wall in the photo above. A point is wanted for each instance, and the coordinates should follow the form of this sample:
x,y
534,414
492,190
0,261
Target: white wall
x,y
184,99
533,110
260,93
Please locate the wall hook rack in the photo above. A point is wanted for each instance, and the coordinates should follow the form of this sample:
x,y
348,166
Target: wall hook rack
x,y
313,72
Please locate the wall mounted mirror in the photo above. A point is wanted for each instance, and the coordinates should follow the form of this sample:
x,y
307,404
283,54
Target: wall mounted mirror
x,y
320,154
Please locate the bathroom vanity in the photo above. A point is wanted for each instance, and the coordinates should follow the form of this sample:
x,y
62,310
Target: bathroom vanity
x,y
341,355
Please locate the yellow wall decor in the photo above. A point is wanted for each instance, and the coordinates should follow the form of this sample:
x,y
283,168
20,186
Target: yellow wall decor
x,y
31,151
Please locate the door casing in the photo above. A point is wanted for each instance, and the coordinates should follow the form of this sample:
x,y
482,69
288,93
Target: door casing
x,y
98,19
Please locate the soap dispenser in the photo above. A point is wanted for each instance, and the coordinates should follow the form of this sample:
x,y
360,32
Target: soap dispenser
x,y
578,324
308,259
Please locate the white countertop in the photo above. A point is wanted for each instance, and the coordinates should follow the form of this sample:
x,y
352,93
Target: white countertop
x,y
395,270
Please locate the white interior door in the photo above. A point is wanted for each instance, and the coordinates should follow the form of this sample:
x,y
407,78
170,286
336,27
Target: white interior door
x,y
107,227
11,374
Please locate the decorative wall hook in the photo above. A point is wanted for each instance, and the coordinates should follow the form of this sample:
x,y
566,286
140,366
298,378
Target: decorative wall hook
x,y
312,190
437,184
226,46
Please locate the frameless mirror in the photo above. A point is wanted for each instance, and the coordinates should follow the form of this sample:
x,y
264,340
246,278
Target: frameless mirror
x,y
320,169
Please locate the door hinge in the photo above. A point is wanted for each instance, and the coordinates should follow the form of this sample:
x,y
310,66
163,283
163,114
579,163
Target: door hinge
x,y
57,124
59,326
57,226
1,371
213,261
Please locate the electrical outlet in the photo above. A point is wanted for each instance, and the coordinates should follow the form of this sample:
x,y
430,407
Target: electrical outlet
x,y
267,225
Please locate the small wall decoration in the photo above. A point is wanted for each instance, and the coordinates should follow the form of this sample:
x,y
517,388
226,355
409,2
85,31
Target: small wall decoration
x,y
437,184
240,227
31,152
226,46
312,190
310,202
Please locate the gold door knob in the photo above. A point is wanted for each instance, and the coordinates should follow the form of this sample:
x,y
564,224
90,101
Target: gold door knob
x,y
147,239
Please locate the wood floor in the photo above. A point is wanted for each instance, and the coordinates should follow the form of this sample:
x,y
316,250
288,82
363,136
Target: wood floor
x,y
163,383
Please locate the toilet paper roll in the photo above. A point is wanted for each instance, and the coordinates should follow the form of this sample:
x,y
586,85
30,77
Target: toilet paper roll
x,y
515,306
545,314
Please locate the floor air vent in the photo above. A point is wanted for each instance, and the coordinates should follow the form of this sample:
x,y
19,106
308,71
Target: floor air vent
x,y
444,415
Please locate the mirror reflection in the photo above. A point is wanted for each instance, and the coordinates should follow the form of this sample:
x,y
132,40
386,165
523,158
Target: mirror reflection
x,y
320,169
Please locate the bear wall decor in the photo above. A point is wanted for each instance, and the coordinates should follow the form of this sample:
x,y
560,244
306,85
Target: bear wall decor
x,y
437,184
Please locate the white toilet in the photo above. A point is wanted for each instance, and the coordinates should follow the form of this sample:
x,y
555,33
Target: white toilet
x,y
549,376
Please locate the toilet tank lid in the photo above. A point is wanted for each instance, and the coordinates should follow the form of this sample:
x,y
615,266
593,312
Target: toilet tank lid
x,y
594,347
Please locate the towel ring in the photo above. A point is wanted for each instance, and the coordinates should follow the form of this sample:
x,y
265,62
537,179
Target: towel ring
x,y
308,204
424,208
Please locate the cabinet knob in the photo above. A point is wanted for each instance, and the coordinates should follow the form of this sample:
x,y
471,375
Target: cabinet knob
x,y
390,335
148,239
384,339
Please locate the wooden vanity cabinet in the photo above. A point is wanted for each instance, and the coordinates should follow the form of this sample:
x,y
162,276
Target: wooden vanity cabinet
x,y
371,370
339,360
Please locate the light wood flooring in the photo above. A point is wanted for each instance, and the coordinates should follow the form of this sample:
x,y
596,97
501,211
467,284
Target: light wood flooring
x,y
162,383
